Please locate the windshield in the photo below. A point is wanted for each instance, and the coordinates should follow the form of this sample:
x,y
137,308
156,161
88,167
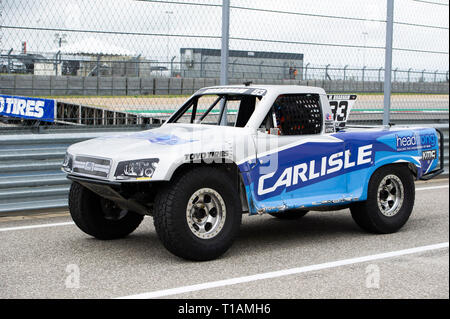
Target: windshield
x,y
217,109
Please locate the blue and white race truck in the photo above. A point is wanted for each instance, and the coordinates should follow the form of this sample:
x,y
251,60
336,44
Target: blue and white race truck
x,y
281,150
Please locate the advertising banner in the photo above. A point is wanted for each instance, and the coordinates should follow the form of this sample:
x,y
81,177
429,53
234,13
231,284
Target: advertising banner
x,y
28,107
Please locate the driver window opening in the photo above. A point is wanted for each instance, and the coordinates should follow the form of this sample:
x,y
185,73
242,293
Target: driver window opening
x,y
294,114
207,109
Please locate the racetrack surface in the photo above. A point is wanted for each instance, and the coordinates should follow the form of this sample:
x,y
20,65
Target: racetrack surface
x,y
367,102
34,260
368,107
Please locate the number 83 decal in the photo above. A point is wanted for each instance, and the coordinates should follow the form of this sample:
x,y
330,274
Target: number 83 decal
x,y
339,110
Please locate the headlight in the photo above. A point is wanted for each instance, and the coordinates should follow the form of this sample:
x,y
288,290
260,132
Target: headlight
x,y
139,169
67,163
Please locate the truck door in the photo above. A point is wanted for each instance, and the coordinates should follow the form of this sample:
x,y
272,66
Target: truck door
x,y
298,165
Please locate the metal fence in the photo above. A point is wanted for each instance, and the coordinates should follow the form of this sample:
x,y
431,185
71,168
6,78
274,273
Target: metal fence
x,y
145,57
204,67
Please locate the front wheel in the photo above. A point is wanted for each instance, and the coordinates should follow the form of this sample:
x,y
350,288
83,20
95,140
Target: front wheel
x,y
390,200
198,216
99,217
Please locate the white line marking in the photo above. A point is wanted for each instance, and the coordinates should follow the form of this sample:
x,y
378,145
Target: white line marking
x,y
281,273
36,226
431,187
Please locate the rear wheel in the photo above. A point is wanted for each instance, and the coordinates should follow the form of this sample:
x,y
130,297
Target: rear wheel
x,y
390,200
99,217
199,214
290,214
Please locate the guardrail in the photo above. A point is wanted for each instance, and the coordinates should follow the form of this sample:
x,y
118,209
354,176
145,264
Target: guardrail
x,y
30,176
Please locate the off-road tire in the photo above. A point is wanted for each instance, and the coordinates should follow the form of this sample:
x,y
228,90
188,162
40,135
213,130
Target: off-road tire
x,y
171,221
368,214
86,211
290,214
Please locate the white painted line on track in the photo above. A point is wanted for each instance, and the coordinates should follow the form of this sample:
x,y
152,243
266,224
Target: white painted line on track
x,y
285,272
36,226
431,187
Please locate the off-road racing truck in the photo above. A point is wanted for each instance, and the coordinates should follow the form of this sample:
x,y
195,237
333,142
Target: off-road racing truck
x,y
229,150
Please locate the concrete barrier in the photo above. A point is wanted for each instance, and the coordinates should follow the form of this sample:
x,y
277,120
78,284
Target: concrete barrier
x,y
24,85
161,86
58,85
133,86
147,86
187,86
175,86
90,86
74,86
36,85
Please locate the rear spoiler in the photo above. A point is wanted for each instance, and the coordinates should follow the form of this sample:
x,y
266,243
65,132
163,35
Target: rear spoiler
x,y
341,105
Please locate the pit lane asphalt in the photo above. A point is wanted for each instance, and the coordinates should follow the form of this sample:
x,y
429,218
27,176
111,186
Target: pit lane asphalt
x,y
34,262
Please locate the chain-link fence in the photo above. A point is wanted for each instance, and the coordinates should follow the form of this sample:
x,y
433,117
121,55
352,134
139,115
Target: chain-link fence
x,y
126,62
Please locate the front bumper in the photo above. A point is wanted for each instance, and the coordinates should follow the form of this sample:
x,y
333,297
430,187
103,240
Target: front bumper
x,y
113,191
94,181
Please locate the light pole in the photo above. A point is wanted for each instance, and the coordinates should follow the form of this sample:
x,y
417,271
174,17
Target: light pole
x,y
224,55
9,60
171,65
306,71
365,34
327,76
345,77
388,62
260,69
363,75
232,67
345,72
60,39
168,13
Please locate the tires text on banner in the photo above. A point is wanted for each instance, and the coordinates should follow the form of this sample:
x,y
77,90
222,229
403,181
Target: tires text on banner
x,y
28,107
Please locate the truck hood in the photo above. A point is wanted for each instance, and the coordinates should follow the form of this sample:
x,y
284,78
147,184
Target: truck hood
x,y
169,141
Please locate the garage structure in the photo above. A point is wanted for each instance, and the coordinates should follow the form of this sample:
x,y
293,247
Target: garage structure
x,y
205,63
91,57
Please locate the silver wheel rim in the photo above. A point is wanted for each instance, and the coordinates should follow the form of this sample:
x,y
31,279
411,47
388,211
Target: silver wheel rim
x,y
390,195
206,213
